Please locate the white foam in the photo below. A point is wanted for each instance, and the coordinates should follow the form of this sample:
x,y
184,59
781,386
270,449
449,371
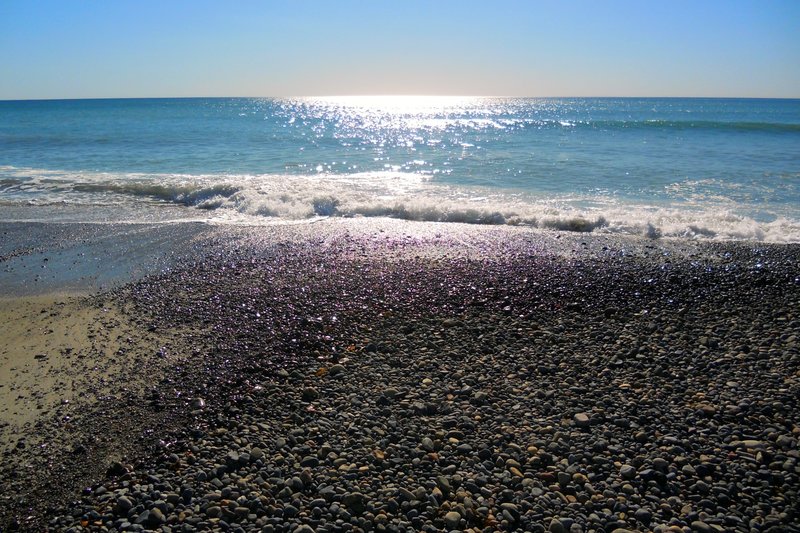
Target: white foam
x,y
270,199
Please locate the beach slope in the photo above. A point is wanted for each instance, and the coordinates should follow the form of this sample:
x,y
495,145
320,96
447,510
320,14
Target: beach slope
x,y
381,375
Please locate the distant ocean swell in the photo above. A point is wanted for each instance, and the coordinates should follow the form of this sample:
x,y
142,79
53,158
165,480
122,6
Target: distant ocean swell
x,y
270,199
614,125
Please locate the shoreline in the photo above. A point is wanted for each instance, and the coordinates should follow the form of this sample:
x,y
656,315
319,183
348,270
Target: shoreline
x,y
395,375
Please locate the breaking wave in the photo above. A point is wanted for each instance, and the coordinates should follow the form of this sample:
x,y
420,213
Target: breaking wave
x,y
270,199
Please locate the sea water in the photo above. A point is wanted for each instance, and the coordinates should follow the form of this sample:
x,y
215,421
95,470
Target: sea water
x,y
726,169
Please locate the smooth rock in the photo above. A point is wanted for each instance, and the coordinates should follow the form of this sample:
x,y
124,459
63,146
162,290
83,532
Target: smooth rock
x,y
452,520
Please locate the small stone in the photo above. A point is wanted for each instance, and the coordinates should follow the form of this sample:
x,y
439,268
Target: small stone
x,y
706,409
154,518
116,469
444,485
643,515
556,526
480,398
336,370
290,511
750,444
355,502
214,511
124,504
701,527
510,508
310,393
582,420
785,441
452,520
627,472
295,484
309,462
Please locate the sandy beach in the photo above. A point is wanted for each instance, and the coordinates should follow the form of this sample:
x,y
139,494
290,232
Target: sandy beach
x,y
354,375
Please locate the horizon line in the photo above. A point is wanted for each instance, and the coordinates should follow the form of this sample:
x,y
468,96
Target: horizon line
x,y
389,95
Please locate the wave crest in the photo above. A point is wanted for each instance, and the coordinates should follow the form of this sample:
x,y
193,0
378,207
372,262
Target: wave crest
x,y
269,199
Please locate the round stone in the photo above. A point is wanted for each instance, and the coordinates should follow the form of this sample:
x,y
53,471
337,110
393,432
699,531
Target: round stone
x,y
452,520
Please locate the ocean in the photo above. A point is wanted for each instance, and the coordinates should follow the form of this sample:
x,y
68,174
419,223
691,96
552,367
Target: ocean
x,y
722,169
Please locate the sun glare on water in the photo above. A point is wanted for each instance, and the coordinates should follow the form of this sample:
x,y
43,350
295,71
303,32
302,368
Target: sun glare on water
x,y
400,104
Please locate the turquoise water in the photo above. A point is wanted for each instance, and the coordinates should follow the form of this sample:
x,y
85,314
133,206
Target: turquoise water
x,y
689,168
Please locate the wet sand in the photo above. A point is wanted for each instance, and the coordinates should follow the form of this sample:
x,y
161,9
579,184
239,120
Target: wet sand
x,y
360,375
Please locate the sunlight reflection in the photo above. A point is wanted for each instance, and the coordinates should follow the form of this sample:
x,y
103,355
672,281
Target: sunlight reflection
x,y
400,104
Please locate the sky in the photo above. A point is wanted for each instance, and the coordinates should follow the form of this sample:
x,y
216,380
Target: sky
x,y
177,48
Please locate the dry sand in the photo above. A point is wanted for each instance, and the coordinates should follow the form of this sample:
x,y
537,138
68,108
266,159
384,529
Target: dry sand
x,y
58,352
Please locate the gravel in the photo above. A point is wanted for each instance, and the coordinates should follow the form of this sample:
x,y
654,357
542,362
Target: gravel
x,y
498,380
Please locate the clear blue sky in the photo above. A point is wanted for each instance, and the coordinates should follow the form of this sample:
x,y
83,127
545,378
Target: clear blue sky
x,y
143,48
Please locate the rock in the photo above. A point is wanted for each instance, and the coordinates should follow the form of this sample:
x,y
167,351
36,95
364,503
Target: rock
x,y
295,484
310,393
256,454
582,420
309,462
116,469
701,527
480,398
124,504
152,518
355,502
556,526
391,393
643,515
452,520
706,409
785,441
290,511
749,444
627,472
444,485
405,494
511,509
336,370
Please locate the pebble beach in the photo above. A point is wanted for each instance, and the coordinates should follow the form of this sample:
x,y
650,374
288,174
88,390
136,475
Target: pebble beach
x,y
382,375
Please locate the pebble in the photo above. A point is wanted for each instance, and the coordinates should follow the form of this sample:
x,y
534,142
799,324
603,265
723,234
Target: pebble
x,y
582,420
336,370
452,520
556,526
627,472
310,393
467,395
